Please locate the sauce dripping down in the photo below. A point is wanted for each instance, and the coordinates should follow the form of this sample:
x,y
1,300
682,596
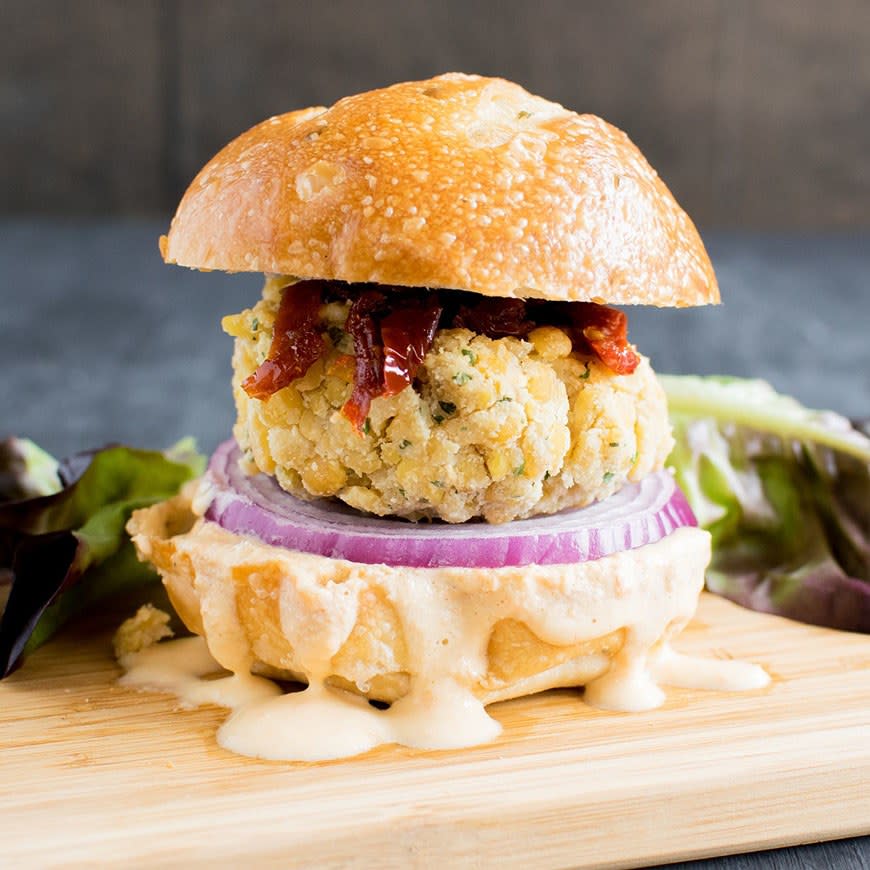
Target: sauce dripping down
x,y
322,723
446,618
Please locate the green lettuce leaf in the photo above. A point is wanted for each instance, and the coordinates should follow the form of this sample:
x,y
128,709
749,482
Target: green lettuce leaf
x,y
26,470
785,493
66,550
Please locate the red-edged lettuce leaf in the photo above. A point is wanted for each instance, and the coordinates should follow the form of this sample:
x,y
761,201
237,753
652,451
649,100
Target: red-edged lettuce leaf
x,y
785,493
68,550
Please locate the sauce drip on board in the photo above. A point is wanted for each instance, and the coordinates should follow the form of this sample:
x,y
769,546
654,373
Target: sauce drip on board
x,y
322,722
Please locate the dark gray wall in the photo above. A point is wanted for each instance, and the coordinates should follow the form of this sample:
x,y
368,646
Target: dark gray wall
x,y
756,113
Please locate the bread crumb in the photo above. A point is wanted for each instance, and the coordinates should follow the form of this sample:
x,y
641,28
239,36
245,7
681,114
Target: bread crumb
x,y
146,628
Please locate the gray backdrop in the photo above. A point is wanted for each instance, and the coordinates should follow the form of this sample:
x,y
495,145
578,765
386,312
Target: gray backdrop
x,y
755,112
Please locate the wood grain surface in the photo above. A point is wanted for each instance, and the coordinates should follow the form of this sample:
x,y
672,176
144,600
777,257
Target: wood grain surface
x,y
93,773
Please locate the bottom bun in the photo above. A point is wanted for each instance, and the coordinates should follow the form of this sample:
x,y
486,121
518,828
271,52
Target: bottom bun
x,y
389,632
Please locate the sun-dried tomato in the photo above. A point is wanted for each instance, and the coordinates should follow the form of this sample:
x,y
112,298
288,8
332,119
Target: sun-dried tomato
x,y
393,330
407,334
603,331
369,369
297,341
496,318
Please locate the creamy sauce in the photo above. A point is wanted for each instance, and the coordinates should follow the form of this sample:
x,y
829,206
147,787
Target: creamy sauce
x,y
322,722
443,620
687,672
180,667
318,723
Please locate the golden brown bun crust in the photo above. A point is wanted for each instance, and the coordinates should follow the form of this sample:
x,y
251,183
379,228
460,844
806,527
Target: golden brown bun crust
x,y
459,181
378,630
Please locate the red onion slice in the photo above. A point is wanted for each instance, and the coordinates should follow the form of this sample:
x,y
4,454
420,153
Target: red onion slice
x,y
638,514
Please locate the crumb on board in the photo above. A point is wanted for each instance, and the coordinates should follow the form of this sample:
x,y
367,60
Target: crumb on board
x,y
147,627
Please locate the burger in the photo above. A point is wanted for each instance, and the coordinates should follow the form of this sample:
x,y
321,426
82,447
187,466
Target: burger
x,y
446,481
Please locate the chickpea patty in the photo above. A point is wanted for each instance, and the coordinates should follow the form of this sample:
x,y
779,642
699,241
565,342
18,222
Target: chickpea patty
x,y
493,428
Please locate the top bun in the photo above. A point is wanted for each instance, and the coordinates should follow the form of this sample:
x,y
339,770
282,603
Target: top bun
x,y
459,181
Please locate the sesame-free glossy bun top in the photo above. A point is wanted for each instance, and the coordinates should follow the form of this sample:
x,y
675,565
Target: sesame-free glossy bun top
x,y
459,181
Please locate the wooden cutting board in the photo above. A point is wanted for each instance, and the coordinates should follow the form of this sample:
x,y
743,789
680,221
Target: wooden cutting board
x,y
93,773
